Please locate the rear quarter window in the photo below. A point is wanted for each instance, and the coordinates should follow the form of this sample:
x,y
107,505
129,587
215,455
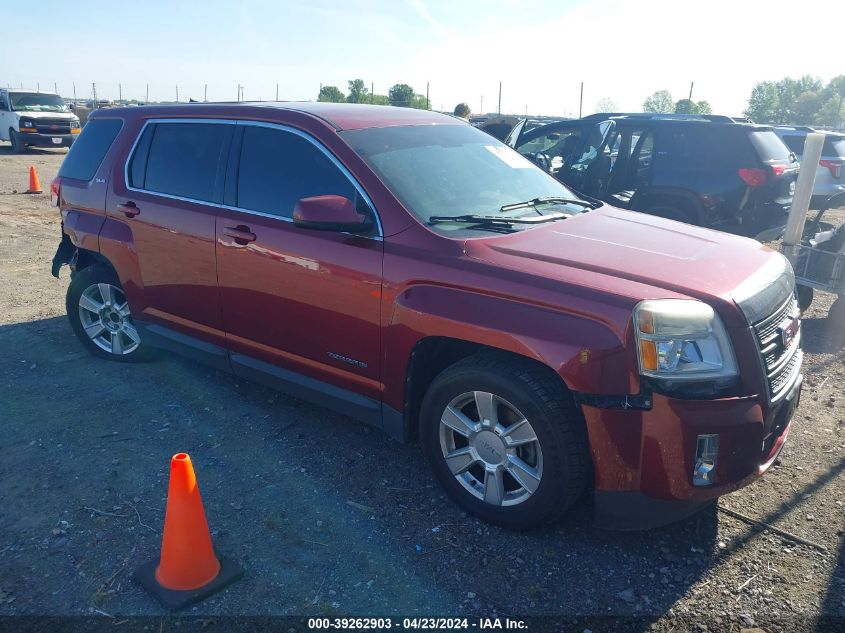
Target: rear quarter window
x,y
834,146
89,150
769,146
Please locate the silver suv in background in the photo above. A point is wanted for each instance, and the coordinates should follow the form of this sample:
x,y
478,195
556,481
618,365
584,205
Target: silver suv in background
x,y
830,173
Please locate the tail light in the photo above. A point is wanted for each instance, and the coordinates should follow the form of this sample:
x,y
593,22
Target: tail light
x,y
834,166
753,176
778,170
56,191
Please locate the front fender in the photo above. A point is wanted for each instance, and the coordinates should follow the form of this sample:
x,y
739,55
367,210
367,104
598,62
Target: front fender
x,y
589,355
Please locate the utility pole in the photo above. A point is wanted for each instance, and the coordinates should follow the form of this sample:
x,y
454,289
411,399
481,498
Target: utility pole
x,y
177,94
205,93
839,110
94,92
692,83
74,93
427,102
526,110
239,92
55,88
372,91
581,102
37,86
119,92
147,101
481,107
499,109
277,91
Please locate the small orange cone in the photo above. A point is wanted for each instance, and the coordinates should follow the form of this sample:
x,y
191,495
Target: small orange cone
x,y
188,569
34,185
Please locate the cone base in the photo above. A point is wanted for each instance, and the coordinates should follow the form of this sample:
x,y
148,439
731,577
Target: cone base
x,y
174,600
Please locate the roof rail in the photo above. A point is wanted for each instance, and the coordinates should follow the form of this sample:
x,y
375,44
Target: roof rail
x,y
715,118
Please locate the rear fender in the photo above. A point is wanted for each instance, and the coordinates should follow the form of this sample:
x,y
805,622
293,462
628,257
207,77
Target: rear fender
x,y
589,355
118,246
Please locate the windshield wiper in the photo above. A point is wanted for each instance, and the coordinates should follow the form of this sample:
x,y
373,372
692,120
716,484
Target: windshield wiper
x,y
550,200
495,220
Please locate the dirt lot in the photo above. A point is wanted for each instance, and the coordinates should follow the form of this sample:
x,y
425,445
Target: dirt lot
x,y
330,517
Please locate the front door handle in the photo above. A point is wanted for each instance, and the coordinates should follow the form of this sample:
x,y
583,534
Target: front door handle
x,y
129,209
241,234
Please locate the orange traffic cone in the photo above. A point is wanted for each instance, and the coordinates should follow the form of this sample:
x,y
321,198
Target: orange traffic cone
x,y
34,185
188,570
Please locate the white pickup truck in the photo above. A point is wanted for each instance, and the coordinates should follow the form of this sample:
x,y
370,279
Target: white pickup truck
x,y
30,118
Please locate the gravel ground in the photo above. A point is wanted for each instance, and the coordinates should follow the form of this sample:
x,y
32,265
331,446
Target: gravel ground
x,y
330,517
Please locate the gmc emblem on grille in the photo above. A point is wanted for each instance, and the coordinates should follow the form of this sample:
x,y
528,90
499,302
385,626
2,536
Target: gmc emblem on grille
x,y
788,331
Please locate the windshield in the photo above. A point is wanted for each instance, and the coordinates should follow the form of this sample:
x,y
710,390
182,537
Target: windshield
x,y
453,170
36,102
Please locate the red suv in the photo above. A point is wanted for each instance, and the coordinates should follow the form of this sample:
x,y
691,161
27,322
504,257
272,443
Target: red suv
x,y
411,271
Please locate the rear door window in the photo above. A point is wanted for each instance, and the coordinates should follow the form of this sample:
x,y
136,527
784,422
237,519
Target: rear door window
x,y
183,160
769,146
89,150
277,168
795,143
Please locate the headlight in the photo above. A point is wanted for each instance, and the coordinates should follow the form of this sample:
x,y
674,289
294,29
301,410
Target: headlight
x,y
682,339
26,123
74,123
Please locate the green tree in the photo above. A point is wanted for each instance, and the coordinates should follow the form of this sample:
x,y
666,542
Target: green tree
x,y
420,102
704,107
379,99
606,104
331,94
660,102
764,104
358,92
686,106
401,95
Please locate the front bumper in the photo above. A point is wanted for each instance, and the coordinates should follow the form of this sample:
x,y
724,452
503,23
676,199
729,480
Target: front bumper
x,y
36,139
644,459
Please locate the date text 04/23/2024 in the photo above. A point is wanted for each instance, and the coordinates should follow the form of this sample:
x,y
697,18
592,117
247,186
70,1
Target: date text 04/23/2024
x,y
416,623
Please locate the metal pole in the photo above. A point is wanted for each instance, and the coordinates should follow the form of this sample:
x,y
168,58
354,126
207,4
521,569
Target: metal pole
x,y
839,110
94,91
55,88
691,84
147,101
277,91
177,94
74,93
499,109
427,102
119,92
37,86
372,90
801,200
205,92
581,102
481,107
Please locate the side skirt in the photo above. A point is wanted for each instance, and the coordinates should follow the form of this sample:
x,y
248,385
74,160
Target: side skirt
x,y
367,410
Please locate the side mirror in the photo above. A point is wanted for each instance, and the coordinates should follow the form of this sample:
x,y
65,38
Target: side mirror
x,y
330,213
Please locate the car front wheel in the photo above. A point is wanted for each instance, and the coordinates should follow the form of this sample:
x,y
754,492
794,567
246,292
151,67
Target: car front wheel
x,y
99,315
505,440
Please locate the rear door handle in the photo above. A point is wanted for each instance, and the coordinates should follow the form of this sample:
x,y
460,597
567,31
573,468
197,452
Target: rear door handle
x,y
241,234
129,209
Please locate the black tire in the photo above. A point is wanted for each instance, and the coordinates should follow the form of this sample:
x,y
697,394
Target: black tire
x,y
15,138
805,297
836,323
126,350
557,424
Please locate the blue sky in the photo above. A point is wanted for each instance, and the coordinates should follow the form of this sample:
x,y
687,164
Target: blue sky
x,y
541,51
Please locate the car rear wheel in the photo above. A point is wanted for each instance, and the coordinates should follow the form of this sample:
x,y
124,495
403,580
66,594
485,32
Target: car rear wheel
x,y
100,317
15,139
505,440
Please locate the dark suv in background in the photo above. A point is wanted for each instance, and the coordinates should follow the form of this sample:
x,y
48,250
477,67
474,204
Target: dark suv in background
x,y
707,170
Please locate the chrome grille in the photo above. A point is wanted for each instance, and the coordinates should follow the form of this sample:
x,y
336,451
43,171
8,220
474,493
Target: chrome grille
x,y
781,362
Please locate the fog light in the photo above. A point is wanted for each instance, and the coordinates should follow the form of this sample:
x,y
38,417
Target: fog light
x,y
706,449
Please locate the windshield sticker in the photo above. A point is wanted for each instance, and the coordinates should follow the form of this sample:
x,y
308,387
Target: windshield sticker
x,y
509,157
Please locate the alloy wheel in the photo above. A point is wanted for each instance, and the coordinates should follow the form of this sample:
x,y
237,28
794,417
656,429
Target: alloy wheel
x,y
105,317
491,448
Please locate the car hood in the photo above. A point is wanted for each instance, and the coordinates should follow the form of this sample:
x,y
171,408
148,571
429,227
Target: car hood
x,y
645,257
46,116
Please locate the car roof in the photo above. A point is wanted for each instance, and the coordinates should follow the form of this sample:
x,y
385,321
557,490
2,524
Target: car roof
x,y
41,92
341,116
